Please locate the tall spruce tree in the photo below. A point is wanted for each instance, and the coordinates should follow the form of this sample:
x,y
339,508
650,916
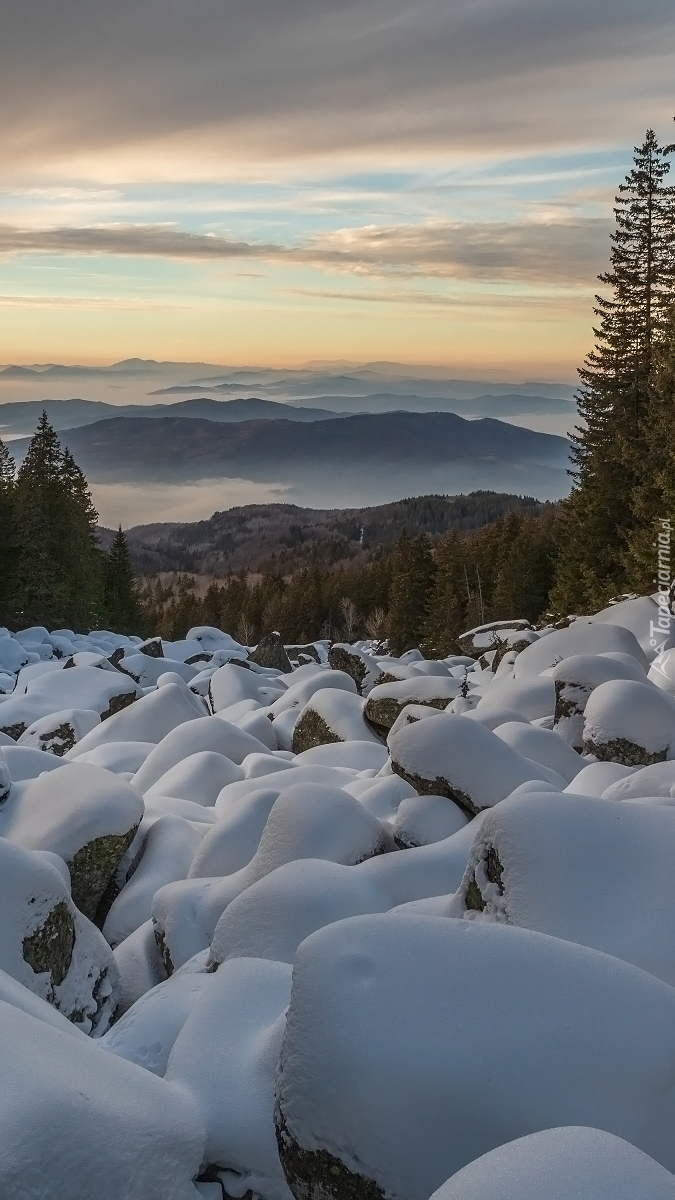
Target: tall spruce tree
x,y
8,535
58,577
610,450
83,556
447,603
412,581
123,610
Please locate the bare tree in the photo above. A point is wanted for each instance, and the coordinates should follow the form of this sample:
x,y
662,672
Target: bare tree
x,y
375,623
349,616
245,630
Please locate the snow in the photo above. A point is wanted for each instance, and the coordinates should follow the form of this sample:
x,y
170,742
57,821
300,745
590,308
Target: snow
x,y
225,1056
76,1121
585,870
637,712
472,914
64,810
497,1031
569,1163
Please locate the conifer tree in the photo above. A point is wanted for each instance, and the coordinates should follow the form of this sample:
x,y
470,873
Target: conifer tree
x,y
447,602
123,613
8,534
83,556
42,578
609,452
412,579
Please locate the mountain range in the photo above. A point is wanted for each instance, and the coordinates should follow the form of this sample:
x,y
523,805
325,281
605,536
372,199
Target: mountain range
x,y
356,460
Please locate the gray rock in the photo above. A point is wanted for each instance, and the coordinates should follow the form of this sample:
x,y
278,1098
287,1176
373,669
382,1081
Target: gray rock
x,y
270,652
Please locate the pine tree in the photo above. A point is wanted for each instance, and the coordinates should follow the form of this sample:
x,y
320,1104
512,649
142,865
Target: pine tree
x,y
412,581
447,603
8,534
83,556
609,452
123,612
43,589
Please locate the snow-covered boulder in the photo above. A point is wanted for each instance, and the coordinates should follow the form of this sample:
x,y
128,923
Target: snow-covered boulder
x,y
149,719
79,1122
165,855
662,671
386,701
106,692
306,821
231,843
569,1163
146,670
644,619
225,1057
574,679
541,746
308,680
630,723
581,637
459,758
532,698
48,946
583,869
61,730
194,737
199,777
421,820
84,814
332,715
414,1045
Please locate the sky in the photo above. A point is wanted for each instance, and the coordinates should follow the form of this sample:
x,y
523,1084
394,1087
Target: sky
x,y
265,182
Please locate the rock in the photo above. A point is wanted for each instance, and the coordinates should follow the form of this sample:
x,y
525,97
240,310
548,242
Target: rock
x,y
104,692
270,653
562,1164
84,814
60,731
581,637
153,648
423,820
457,757
591,871
387,701
575,678
629,723
77,1121
362,667
398,1066
50,947
331,716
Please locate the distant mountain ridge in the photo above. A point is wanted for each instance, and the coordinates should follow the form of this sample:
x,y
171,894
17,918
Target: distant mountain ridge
x,y
286,537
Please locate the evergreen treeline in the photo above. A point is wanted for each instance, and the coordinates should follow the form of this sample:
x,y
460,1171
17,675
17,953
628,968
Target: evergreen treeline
x,y
52,570
624,454
415,596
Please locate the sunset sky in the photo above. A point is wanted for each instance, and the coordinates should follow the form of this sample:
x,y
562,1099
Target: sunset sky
x,y
275,181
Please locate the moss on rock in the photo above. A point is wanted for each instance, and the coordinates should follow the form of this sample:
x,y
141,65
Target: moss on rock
x,y
14,731
317,1174
310,731
92,868
270,652
437,787
340,659
50,948
382,712
621,750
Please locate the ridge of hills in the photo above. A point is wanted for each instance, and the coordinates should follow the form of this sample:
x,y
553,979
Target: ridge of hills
x,y
285,537
172,448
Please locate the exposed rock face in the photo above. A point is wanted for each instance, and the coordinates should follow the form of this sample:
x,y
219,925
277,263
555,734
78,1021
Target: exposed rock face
x,y
342,659
318,1175
14,731
153,648
311,730
270,652
119,702
93,867
621,750
50,948
570,702
298,652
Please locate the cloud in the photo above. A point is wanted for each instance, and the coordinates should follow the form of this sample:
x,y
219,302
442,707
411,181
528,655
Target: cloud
x,y
549,253
205,85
